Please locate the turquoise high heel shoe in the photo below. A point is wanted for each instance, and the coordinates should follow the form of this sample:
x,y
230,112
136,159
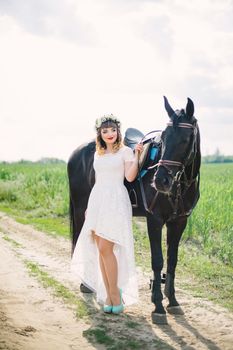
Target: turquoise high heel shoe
x,y
107,309
118,308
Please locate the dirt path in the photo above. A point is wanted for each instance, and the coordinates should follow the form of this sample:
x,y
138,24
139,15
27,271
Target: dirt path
x,y
32,318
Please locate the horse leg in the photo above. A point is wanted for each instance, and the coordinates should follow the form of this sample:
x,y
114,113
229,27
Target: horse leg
x,y
174,233
155,236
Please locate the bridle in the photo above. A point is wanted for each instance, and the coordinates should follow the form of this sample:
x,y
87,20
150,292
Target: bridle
x,y
171,163
167,164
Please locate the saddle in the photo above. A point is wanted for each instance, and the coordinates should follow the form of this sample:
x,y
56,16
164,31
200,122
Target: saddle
x,y
151,142
149,157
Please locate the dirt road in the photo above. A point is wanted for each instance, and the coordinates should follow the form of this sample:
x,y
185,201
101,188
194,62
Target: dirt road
x,y
31,317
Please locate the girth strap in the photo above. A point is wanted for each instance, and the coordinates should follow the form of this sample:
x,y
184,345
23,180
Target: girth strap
x,y
143,194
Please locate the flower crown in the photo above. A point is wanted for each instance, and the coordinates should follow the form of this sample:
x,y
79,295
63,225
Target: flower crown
x,y
107,118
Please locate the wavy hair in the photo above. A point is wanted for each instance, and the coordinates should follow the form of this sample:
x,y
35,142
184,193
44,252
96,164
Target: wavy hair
x,y
101,145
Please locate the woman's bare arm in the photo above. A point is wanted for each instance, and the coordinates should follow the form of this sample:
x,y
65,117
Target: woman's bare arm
x,y
131,168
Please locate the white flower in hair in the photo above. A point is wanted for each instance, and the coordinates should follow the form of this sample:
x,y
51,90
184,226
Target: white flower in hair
x,y
107,118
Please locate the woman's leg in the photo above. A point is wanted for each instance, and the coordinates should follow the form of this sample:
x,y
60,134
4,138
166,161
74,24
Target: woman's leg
x,y
111,269
102,268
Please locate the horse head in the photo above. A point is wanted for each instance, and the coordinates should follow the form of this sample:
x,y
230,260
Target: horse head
x,y
179,146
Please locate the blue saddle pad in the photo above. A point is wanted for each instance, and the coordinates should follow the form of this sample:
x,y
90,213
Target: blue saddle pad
x,y
151,158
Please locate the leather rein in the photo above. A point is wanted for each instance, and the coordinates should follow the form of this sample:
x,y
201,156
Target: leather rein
x,y
177,178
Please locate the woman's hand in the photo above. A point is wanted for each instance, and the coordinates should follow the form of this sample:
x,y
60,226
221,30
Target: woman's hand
x,y
138,149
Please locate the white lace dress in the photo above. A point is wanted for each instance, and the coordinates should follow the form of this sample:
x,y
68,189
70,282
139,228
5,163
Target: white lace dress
x,y
109,214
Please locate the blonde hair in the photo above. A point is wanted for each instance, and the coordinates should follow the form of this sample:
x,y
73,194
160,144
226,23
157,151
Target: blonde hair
x,y
101,145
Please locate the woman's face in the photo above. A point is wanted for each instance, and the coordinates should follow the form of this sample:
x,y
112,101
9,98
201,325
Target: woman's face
x,y
109,135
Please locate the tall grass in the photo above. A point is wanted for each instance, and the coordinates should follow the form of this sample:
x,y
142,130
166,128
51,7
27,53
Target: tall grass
x,y
37,189
39,192
211,224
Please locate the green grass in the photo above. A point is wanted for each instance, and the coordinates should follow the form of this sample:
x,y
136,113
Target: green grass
x,y
58,289
53,225
99,336
12,241
142,244
35,190
206,276
36,194
57,226
124,341
132,324
211,223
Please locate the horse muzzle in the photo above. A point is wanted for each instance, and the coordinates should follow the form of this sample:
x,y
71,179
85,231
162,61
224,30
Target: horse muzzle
x,y
163,181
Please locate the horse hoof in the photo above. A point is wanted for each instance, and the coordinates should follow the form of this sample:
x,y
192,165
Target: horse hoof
x,y
175,310
85,289
158,318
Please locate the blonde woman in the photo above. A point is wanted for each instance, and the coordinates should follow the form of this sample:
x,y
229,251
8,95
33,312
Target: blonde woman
x,y
104,254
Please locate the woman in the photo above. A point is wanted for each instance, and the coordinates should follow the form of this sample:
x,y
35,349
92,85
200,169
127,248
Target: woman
x,y
104,254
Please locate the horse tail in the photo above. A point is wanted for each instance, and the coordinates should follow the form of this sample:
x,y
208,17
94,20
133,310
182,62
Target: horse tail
x,y
72,224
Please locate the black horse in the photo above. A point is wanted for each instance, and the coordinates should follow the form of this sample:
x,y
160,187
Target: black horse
x,y
165,195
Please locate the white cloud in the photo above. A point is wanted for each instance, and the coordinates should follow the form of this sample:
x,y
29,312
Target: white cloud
x,y
55,18
63,63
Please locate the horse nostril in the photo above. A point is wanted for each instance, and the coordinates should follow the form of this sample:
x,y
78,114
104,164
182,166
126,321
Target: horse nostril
x,y
165,181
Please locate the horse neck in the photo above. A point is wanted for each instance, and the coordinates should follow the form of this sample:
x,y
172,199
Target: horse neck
x,y
192,169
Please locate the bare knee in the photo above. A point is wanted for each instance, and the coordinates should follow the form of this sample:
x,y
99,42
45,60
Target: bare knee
x,y
95,237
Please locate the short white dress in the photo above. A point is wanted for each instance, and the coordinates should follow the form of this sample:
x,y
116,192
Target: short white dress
x,y
109,214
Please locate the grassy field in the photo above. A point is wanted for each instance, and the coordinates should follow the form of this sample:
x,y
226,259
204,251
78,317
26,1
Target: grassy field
x,y
211,224
38,194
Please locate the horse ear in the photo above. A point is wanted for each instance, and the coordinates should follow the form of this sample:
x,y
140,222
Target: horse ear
x,y
190,108
168,108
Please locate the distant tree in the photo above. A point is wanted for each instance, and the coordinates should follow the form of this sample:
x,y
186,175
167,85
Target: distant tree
x,y
23,161
47,160
217,157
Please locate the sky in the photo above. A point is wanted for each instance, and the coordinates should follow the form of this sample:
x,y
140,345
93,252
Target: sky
x,y
64,63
